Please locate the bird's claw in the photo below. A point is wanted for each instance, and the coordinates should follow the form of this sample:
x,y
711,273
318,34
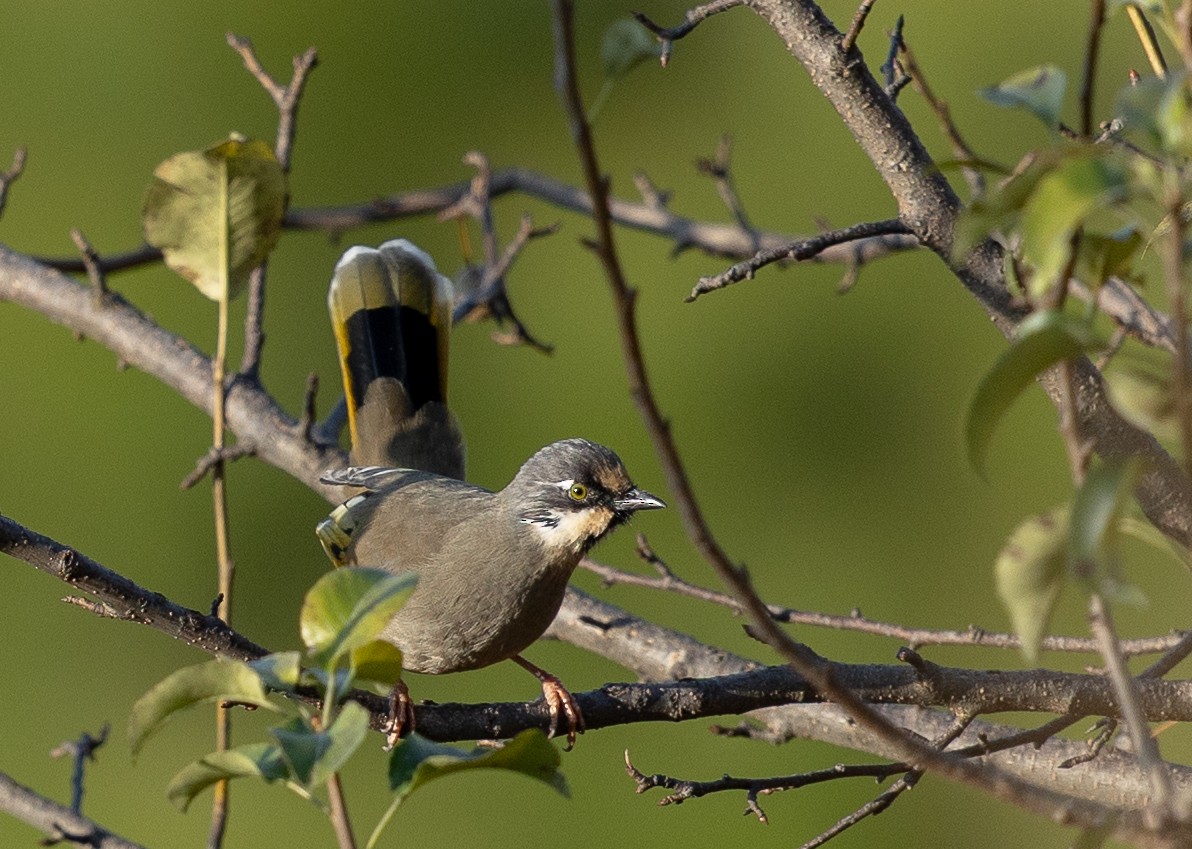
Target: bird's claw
x,y
401,715
559,700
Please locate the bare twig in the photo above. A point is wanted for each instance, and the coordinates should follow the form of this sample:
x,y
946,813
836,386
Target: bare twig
x,y
10,176
286,99
943,116
1127,689
1173,274
214,456
668,581
309,419
1088,80
694,17
1146,36
895,76
684,789
225,565
719,168
91,263
80,751
797,251
481,292
854,29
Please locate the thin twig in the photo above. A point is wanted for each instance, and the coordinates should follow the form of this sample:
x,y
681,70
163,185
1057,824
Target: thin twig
x,y
207,462
286,99
309,419
684,789
1088,79
668,581
894,75
1146,749
1146,37
797,251
80,751
854,29
694,17
481,292
719,168
91,263
943,116
226,567
870,809
1173,273
10,176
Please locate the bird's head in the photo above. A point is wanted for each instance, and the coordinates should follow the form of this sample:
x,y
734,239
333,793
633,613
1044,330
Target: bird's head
x,y
573,492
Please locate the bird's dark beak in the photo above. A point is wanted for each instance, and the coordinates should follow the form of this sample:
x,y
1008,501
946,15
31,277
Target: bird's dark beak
x,y
637,499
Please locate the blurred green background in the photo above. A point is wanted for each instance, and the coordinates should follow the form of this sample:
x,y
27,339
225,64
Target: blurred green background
x,y
821,430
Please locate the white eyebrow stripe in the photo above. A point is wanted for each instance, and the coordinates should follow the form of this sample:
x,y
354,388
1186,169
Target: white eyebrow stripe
x,y
563,485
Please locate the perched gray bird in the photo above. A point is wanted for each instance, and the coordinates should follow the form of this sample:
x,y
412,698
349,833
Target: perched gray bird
x,y
492,566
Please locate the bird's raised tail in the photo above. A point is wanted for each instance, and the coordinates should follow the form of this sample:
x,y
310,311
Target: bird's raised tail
x,y
391,313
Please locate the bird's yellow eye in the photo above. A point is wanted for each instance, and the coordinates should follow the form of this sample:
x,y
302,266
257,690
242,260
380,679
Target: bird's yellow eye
x,y
578,492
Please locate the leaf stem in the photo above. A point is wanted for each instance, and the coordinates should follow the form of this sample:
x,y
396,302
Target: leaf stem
x,y
219,496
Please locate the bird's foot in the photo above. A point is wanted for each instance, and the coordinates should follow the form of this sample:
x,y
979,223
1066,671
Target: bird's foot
x,y
558,700
401,714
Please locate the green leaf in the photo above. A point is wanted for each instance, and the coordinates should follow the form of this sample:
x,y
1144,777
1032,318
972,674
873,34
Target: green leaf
x,y
626,45
1078,186
349,607
1146,532
280,671
301,746
1029,574
1044,339
314,756
216,680
416,761
1039,90
377,662
1094,539
343,737
216,213
255,760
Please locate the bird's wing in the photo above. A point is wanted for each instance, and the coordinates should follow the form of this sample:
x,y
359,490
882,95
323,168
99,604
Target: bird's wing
x,y
369,477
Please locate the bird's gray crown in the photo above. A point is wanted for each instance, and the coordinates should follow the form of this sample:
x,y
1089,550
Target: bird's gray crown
x,y
574,460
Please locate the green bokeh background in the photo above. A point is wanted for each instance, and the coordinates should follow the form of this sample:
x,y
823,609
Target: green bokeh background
x,y
821,430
